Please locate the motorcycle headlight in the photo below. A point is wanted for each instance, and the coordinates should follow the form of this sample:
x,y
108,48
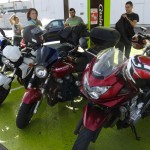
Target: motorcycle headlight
x,y
7,62
40,71
94,92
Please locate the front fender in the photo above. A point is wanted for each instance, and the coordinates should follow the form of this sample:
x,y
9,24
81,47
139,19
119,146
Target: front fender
x,y
93,118
5,81
31,96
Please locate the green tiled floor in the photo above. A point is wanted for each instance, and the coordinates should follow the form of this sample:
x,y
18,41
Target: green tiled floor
x,y
52,129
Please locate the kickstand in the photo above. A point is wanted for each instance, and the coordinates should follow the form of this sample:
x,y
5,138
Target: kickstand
x,y
135,132
73,105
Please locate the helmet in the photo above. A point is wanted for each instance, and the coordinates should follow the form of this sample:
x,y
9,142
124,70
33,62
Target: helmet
x,y
4,42
104,37
12,53
32,34
138,70
138,41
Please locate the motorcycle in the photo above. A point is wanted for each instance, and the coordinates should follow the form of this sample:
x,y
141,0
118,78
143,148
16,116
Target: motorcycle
x,y
117,93
55,78
15,63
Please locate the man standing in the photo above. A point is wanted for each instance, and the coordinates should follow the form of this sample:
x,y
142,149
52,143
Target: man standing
x,y
73,20
125,26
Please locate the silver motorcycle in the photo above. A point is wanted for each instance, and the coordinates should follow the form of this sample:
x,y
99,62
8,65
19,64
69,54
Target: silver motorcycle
x,y
16,63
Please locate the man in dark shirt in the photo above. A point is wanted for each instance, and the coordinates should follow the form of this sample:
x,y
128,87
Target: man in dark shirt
x,y
125,26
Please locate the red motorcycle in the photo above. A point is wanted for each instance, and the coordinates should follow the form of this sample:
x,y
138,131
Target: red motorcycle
x,y
53,77
118,93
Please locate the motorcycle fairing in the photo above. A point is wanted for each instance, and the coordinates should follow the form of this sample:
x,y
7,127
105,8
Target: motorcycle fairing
x,y
25,66
5,81
12,53
46,56
31,96
93,117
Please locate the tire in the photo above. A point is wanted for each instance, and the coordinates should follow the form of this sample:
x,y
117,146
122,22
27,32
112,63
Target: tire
x,y
83,140
25,114
3,94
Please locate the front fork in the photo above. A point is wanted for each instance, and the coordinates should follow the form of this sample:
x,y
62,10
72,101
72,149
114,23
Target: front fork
x,y
42,90
4,69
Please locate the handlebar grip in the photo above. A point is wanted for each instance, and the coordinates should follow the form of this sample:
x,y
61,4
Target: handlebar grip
x,y
73,50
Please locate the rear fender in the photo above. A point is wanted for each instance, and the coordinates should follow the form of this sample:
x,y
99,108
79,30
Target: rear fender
x,y
31,96
93,118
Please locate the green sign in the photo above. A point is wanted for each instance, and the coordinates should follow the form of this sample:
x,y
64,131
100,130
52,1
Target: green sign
x,y
98,13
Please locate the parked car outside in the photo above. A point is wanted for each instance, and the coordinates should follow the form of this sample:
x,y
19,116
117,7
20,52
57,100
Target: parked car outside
x,y
53,27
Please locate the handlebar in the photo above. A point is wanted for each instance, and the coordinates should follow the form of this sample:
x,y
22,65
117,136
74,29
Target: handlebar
x,y
63,54
143,29
73,50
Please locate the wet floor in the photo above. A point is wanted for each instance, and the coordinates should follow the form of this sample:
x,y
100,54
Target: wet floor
x,y
52,128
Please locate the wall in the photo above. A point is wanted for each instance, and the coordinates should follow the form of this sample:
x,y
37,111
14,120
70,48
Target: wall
x,y
80,7
12,6
54,9
140,6
49,9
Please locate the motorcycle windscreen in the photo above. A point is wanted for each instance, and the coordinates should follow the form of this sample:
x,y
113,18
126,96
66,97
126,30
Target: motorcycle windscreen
x,y
107,62
46,56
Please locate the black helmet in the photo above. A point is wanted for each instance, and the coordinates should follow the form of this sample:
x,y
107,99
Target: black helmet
x,y
32,34
104,37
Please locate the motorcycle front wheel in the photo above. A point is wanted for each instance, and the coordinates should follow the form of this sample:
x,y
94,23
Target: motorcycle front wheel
x,y
83,140
3,94
25,114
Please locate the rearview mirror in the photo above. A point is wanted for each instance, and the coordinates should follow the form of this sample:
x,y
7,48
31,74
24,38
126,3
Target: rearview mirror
x,y
143,29
83,42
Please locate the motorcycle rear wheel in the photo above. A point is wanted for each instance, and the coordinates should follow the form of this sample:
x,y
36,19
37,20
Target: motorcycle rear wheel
x,y
3,94
83,140
25,114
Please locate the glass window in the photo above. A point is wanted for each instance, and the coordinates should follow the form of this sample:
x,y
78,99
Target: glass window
x,y
55,24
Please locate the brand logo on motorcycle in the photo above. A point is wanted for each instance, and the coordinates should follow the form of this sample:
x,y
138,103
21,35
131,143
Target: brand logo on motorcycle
x,y
62,68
